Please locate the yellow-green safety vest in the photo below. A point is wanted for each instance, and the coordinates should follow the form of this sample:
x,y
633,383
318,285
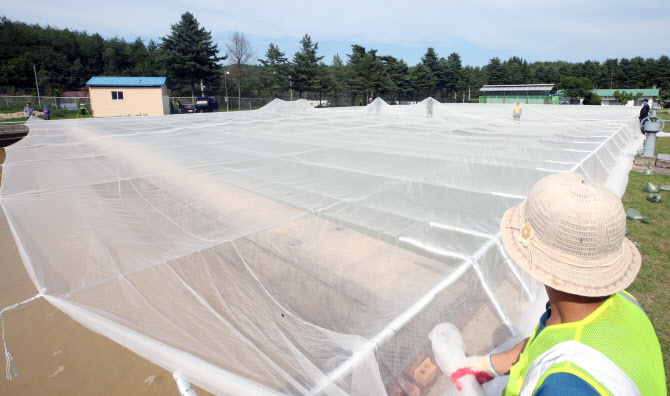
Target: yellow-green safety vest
x,y
614,349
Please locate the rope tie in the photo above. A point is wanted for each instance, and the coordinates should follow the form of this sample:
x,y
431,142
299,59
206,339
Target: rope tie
x,y
9,365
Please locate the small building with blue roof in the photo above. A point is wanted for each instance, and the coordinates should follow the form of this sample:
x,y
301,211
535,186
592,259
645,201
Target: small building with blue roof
x,y
128,96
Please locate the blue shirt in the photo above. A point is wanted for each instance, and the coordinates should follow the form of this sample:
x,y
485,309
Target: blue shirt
x,y
562,383
29,110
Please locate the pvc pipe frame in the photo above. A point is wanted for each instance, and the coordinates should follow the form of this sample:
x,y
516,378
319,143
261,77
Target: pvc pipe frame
x,y
399,322
183,385
403,319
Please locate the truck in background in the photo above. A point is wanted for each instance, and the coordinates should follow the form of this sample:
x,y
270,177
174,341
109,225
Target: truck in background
x,y
201,105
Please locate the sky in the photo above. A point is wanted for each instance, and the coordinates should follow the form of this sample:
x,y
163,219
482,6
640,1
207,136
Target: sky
x,y
478,30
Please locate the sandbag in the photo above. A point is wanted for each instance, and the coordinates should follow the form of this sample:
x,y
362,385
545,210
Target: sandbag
x,y
665,187
655,198
635,215
651,188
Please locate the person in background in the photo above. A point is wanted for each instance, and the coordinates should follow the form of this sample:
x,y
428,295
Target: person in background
x,y
47,113
517,111
594,338
29,110
644,113
180,106
172,108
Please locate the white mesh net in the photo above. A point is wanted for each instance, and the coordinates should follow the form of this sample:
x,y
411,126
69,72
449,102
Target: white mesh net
x,y
296,250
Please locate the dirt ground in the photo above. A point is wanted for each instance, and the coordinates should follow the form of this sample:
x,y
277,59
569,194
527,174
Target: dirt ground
x,y
18,114
54,355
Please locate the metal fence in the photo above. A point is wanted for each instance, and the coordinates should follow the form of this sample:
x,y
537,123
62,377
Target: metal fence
x,y
17,103
231,104
316,100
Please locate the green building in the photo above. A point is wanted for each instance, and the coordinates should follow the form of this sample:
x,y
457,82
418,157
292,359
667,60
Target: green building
x,y
607,95
524,93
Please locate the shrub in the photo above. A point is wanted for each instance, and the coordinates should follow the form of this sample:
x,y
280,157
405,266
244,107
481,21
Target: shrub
x,y
592,99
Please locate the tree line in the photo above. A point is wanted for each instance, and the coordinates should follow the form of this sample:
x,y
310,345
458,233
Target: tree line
x,y
65,59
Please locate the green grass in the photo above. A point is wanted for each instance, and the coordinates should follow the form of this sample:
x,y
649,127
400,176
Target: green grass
x,y
651,285
22,119
67,114
663,144
667,122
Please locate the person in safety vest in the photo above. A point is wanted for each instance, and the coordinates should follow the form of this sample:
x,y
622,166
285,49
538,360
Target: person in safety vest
x,y
517,111
594,338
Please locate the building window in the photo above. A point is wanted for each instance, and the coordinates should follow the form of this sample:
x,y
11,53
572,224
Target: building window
x,y
117,95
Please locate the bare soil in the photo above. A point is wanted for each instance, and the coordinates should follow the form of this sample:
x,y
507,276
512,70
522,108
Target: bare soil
x,y
54,355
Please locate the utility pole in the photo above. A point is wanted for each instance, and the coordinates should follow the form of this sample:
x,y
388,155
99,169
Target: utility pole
x,y
38,88
225,81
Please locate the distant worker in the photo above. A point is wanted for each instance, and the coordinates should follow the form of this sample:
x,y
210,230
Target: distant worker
x,y
369,100
644,113
378,105
181,106
29,110
47,113
594,338
517,111
172,108
82,108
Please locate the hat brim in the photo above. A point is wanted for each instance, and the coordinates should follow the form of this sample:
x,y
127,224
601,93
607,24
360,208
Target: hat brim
x,y
580,280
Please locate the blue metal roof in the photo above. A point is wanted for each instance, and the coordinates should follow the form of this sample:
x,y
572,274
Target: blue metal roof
x,y
101,81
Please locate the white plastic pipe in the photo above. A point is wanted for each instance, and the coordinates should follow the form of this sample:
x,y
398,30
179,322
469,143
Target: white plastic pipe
x,y
184,387
389,331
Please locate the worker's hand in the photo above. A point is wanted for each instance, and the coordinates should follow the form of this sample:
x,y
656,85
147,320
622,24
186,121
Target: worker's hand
x,y
479,366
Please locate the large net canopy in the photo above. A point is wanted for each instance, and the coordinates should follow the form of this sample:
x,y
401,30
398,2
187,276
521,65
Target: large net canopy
x,y
295,250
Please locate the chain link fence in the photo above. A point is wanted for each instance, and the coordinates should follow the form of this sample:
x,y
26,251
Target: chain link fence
x,y
17,103
315,99
231,104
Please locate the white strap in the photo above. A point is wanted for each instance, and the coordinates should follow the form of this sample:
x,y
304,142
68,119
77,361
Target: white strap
x,y
589,359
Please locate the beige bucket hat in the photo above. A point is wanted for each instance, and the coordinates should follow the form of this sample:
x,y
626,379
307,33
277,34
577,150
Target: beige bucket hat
x,y
570,235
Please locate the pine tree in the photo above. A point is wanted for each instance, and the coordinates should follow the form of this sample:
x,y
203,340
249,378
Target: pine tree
x,y
189,54
494,72
305,66
355,66
436,66
338,75
323,81
397,77
431,61
275,71
515,71
452,72
422,80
